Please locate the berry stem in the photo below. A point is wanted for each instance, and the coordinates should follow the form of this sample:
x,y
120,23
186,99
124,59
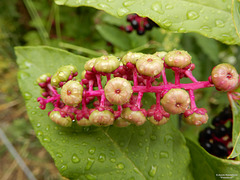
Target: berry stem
x,y
177,78
135,82
164,77
188,73
158,98
140,95
99,81
192,98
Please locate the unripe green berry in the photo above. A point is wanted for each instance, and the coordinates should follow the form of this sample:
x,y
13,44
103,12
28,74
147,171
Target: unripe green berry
x,y
164,120
160,54
149,65
71,93
101,118
84,122
176,101
83,74
106,64
72,68
120,122
178,58
225,77
197,119
135,117
131,57
118,91
57,118
55,80
43,78
63,74
89,64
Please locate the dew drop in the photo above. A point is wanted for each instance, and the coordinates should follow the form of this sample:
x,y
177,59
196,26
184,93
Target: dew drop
x,y
39,133
192,15
92,150
84,144
167,139
63,167
152,171
101,157
91,1
102,5
122,11
46,139
219,23
59,155
157,7
167,23
169,6
140,144
25,64
205,28
90,162
75,159
142,132
120,166
91,177
113,160
153,137
23,75
27,95
181,30
38,124
128,3
163,154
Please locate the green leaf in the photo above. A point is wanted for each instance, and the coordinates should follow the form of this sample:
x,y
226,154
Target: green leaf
x,y
236,15
145,152
207,166
236,128
210,18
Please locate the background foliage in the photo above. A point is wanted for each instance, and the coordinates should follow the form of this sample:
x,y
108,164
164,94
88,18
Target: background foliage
x,y
145,152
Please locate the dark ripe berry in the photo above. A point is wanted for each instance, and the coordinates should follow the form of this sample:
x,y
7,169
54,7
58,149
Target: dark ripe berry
x,y
206,134
148,26
220,131
219,149
140,31
216,121
226,113
129,29
134,24
207,146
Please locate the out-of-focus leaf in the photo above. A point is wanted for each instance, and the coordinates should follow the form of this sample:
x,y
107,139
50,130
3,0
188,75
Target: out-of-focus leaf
x,y
236,15
210,18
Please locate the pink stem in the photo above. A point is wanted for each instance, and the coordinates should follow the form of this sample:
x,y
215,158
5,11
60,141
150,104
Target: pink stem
x,y
164,76
52,89
192,98
91,82
99,81
140,95
177,78
135,82
103,98
108,77
158,98
188,73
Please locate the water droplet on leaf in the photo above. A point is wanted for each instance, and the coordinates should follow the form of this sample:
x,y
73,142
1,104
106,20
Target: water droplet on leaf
x,y
59,155
122,11
219,23
120,166
63,167
46,139
128,3
90,162
92,150
163,154
157,7
192,15
27,95
75,158
101,157
152,171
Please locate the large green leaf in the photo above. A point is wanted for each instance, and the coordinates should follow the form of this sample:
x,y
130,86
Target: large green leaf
x,y
207,166
145,152
236,128
236,15
209,18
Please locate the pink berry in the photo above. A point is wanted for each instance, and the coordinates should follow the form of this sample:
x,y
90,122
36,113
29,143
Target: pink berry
x,y
118,91
176,101
71,93
101,118
196,119
57,118
178,58
149,65
225,77
135,117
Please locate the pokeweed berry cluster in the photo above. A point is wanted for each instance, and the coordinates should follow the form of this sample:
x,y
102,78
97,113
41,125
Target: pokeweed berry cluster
x,y
115,87
217,140
140,24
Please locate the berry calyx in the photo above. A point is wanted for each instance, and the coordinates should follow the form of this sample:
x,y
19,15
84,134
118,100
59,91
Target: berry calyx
x,y
118,91
57,118
134,117
178,58
225,77
176,101
71,93
149,65
101,118
106,64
